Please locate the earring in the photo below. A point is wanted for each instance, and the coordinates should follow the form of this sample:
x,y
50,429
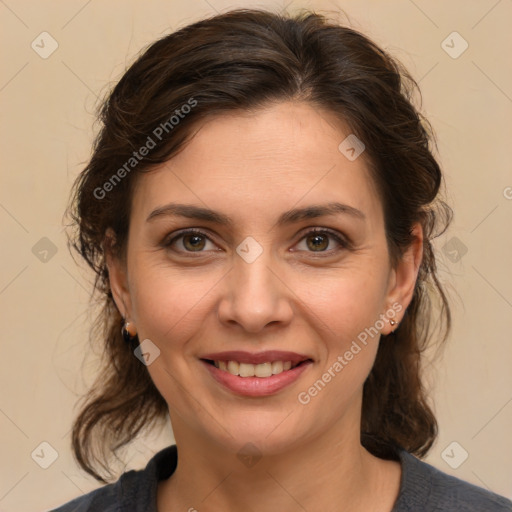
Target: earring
x,y
129,331
392,323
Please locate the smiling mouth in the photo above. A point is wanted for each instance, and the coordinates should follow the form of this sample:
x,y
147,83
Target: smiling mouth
x,y
261,370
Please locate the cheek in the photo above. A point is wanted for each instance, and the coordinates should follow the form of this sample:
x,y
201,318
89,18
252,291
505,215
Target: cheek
x,y
346,311
345,304
169,309
347,323
168,303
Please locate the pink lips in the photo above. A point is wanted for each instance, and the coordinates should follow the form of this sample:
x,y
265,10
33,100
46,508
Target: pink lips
x,y
257,386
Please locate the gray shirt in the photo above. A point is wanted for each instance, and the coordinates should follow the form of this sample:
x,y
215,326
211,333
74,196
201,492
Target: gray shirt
x,y
423,488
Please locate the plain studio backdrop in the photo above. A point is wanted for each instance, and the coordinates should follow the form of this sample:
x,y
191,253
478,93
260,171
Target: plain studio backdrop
x,y
60,56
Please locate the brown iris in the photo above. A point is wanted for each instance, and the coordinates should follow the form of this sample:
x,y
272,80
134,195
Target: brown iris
x,y
196,242
320,242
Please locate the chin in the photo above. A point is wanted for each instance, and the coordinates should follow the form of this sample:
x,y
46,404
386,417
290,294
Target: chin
x,y
264,436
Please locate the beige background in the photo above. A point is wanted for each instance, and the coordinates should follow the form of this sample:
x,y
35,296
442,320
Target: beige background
x,y
47,127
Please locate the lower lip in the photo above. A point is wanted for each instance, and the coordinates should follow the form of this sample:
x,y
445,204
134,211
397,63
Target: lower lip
x,y
256,386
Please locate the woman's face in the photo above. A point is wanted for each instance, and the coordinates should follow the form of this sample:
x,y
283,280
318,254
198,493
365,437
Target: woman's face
x,y
255,279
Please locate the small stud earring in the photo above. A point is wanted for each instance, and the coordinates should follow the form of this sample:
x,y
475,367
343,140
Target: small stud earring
x,y
129,331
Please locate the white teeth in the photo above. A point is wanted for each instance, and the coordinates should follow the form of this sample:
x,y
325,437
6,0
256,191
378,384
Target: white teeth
x,y
233,367
263,370
277,367
254,370
246,370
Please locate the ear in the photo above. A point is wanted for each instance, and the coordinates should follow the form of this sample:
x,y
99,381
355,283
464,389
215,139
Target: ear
x,y
403,278
117,275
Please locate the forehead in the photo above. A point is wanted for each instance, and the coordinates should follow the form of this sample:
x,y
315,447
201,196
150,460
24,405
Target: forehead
x,y
257,164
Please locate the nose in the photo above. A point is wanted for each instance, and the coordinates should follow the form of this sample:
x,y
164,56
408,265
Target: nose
x,y
255,296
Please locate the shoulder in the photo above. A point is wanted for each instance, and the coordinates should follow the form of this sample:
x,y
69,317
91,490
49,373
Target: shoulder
x,y
104,498
134,491
426,488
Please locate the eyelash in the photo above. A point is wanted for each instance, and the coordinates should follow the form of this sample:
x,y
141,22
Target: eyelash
x,y
345,244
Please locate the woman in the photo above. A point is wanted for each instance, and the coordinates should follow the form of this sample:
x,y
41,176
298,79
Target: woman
x,y
259,211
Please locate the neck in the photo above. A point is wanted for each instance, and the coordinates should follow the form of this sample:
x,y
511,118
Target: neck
x,y
327,471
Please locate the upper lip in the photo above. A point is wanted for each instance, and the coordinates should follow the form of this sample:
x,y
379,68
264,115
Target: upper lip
x,y
267,356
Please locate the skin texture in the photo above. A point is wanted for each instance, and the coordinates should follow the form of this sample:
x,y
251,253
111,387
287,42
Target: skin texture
x,y
295,296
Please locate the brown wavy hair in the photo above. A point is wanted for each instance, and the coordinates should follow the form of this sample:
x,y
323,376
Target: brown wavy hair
x,y
240,60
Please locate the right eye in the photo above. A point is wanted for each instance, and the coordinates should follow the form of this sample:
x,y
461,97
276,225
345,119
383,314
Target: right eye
x,y
190,240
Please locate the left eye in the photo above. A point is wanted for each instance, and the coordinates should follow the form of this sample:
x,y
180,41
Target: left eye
x,y
315,240
319,240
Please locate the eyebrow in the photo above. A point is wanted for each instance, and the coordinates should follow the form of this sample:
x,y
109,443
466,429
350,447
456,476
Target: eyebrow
x,y
289,217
